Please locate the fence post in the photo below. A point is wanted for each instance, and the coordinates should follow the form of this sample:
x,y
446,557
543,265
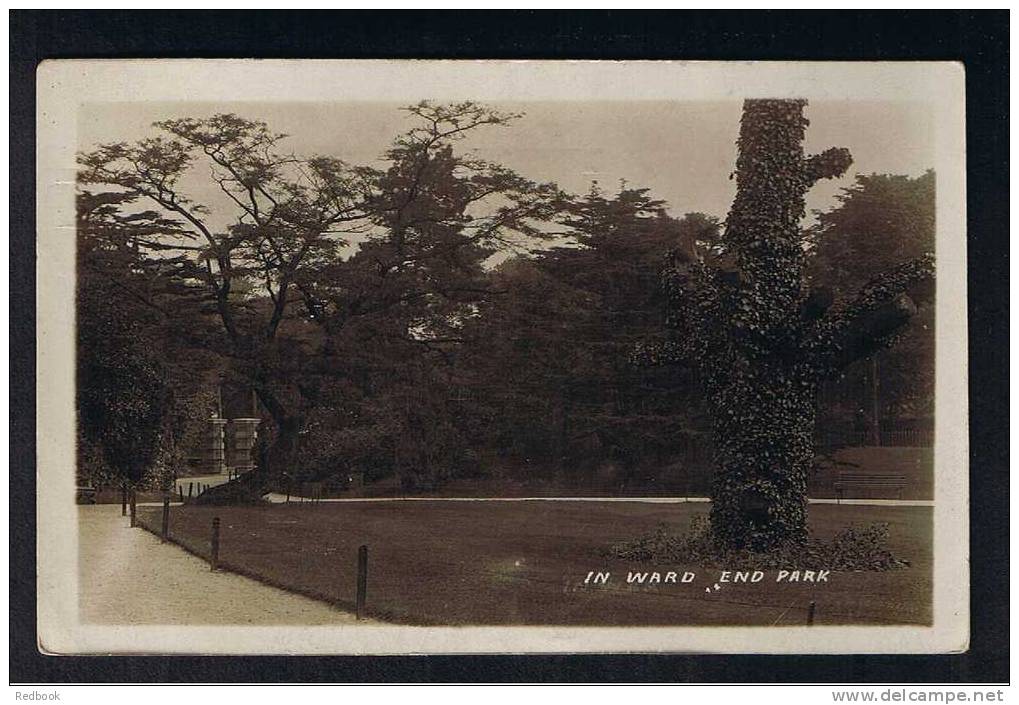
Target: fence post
x,y
810,613
215,543
165,533
362,580
180,489
133,509
123,499
191,489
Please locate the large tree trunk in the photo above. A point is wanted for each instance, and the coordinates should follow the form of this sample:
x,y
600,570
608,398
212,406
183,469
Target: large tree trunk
x,y
760,382
281,459
763,433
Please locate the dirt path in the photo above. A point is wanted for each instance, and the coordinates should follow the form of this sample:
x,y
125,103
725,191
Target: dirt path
x,y
126,576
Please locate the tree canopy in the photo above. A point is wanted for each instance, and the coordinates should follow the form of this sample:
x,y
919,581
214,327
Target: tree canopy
x,y
435,316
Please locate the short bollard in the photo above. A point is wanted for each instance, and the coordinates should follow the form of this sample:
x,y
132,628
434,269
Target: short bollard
x,y
165,533
134,510
215,543
810,613
362,580
123,499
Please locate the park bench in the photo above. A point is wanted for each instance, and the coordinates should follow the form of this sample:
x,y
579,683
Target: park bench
x,y
886,481
86,495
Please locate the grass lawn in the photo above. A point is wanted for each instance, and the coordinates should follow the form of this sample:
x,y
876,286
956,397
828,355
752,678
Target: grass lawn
x,y
915,465
435,562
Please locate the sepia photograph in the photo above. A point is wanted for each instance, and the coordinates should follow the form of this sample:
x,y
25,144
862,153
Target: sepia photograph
x,y
491,356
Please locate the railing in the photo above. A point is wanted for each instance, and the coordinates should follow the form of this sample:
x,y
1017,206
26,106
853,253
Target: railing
x,y
697,447
912,438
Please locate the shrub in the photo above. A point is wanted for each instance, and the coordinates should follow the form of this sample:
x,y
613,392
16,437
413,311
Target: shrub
x,y
851,549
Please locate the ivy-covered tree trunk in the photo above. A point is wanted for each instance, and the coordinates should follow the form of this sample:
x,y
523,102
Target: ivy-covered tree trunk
x,y
763,431
763,398
762,340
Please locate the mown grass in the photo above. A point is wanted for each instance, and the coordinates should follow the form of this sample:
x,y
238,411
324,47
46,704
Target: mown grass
x,y
436,562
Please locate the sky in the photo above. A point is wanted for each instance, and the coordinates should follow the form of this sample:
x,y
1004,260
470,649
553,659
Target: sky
x,y
684,152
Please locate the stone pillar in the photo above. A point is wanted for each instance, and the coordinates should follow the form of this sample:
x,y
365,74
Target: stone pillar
x,y
209,457
242,434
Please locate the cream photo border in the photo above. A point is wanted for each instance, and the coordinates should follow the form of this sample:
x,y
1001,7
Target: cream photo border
x,y
63,86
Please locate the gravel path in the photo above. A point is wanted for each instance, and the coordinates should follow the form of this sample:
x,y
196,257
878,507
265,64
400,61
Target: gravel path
x,y
126,576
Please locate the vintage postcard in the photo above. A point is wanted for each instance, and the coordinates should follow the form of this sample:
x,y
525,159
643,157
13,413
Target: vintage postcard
x,y
403,357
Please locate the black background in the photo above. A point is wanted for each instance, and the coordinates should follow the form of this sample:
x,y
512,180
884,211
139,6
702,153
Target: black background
x,y
978,39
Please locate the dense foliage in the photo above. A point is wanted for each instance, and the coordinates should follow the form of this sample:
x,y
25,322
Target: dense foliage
x,y
547,362
880,221
437,316
139,406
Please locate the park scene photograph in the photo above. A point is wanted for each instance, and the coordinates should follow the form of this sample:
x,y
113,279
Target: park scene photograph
x,y
591,363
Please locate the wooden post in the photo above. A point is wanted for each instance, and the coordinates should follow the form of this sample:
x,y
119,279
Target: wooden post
x,y
165,532
810,613
215,543
362,580
875,404
123,499
134,509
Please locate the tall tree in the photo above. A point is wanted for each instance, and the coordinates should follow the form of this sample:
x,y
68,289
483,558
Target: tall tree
x,y
547,360
762,340
392,315
136,407
880,220
279,276
286,211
